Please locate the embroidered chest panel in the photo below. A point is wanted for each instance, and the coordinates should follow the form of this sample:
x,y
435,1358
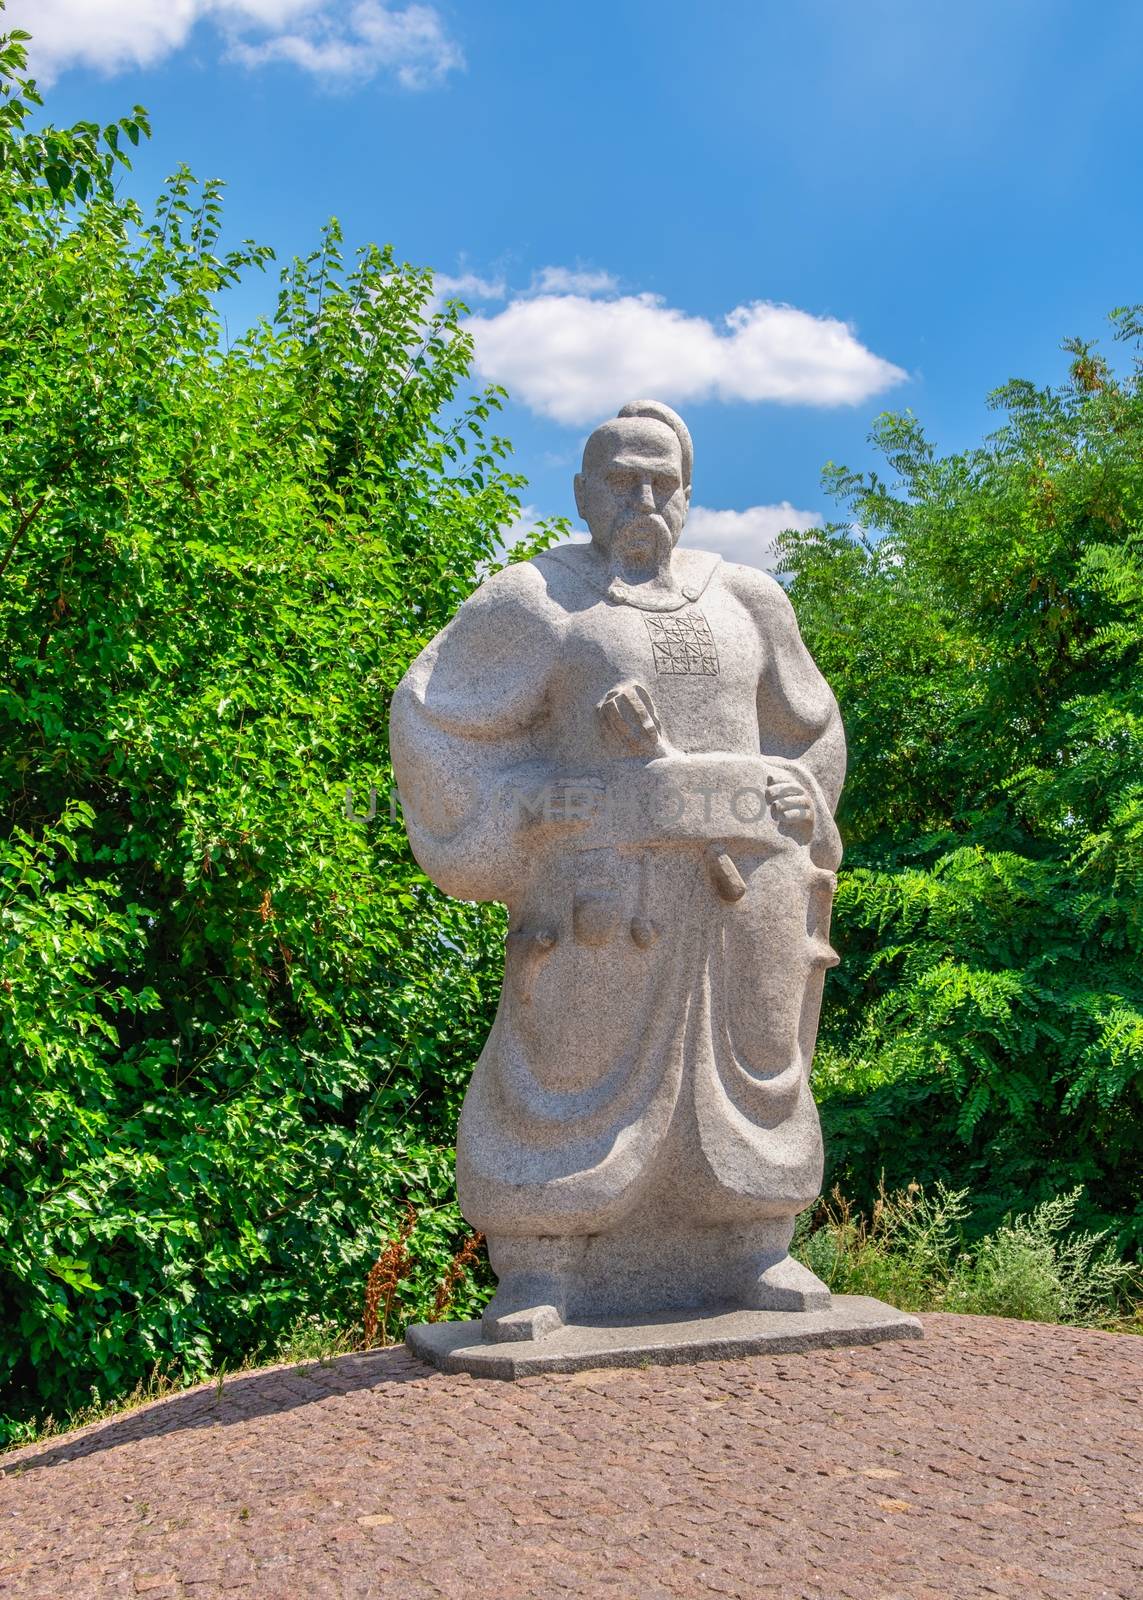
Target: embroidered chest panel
x,y
682,642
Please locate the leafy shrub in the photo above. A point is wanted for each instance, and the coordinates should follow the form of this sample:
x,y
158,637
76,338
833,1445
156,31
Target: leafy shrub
x,y
911,1250
235,1021
983,631
901,1252
1037,1268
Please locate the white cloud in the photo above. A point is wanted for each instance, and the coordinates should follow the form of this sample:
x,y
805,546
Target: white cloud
x,y
127,33
570,280
746,536
468,286
524,524
325,37
369,37
575,359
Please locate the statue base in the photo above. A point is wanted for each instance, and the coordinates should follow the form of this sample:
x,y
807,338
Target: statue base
x,y
672,1339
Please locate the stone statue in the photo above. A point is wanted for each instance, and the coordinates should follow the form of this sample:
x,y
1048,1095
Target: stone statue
x,y
628,744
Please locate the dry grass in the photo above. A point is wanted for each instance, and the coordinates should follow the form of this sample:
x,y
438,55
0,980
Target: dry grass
x,y
458,1268
385,1274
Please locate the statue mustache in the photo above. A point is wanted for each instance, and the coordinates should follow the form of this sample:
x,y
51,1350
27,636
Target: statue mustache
x,y
642,522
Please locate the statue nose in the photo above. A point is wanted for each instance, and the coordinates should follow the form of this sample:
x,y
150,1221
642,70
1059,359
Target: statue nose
x,y
646,495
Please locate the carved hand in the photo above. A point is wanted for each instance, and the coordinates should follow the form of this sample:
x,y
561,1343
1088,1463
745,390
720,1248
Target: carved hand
x,y
790,802
629,711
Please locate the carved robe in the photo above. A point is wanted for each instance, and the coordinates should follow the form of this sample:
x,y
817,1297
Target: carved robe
x,y
668,937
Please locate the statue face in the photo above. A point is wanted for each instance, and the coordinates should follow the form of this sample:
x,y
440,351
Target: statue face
x,y
631,492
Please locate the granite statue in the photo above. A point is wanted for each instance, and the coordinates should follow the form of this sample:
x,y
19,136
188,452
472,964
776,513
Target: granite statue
x,y
627,743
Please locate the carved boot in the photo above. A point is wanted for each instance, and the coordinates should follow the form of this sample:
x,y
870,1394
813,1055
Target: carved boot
x,y
785,1285
531,1296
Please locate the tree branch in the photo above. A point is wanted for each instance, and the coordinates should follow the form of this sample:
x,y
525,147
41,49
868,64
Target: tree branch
x,y
22,527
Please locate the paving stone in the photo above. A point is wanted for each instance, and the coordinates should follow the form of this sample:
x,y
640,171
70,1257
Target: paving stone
x,y
1013,1448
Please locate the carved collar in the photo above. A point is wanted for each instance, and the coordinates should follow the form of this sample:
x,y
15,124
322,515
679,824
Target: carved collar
x,y
701,567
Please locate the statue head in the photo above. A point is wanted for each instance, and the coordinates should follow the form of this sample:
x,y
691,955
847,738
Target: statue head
x,y
634,490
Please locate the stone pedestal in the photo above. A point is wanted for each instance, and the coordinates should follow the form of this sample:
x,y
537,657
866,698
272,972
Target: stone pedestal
x,y
671,1339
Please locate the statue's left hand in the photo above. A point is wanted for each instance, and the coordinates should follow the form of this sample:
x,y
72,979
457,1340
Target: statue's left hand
x,y
790,801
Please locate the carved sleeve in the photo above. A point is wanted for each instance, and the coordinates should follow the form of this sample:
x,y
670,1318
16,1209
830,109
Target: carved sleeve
x,y
798,712
799,725
463,718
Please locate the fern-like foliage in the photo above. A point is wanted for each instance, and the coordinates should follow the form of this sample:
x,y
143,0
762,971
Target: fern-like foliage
x,y
983,633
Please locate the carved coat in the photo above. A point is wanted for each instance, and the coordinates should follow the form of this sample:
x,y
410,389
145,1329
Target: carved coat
x,y
668,938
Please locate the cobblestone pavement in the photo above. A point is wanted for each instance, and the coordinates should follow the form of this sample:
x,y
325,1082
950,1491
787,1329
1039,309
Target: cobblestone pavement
x,y
991,1459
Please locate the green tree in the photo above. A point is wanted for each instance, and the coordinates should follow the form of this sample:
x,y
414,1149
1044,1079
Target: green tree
x,y
981,619
235,1022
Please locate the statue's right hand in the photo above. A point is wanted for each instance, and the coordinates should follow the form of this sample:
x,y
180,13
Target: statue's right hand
x,y
629,711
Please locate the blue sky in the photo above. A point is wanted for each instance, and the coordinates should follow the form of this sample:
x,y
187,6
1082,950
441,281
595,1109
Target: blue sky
x,y
894,204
